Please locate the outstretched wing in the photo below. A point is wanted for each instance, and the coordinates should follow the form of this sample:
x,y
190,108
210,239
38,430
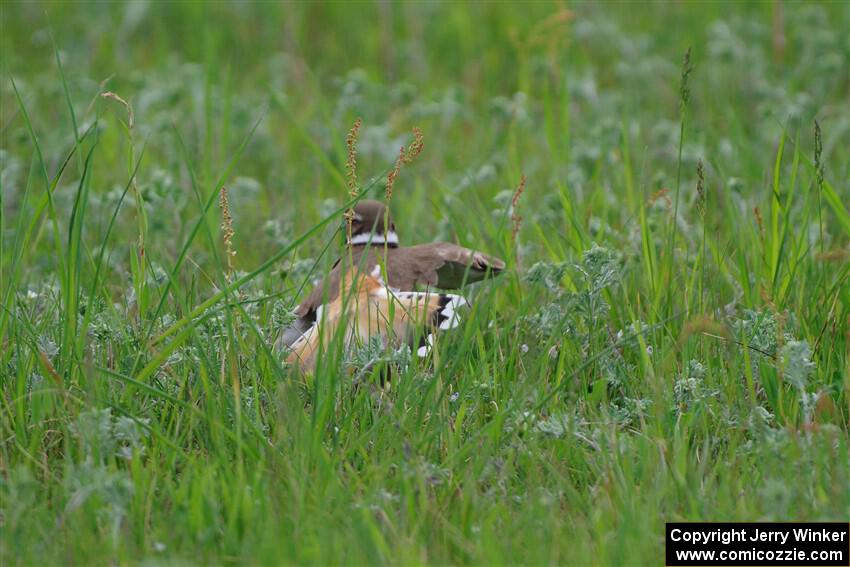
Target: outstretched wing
x,y
449,266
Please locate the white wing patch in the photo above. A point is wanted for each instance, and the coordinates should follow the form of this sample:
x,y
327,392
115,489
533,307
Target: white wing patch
x,y
450,313
447,317
425,349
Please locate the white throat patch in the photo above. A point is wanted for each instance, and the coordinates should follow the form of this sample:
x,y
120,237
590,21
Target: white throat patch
x,y
390,238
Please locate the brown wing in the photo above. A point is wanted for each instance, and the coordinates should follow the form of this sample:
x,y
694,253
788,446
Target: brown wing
x,y
441,265
449,266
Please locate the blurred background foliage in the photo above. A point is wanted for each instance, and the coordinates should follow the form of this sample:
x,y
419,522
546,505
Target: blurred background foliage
x,y
547,89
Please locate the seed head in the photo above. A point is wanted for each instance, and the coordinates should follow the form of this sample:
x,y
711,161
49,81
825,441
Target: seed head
x,y
684,89
227,231
516,219
405,156
351,172
818,155
351,161
701,195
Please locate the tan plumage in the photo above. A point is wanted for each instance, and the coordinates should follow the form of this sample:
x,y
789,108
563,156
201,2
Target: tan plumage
x,y
367,308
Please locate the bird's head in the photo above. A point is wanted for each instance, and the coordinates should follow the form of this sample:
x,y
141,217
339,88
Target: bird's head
x,y
372,223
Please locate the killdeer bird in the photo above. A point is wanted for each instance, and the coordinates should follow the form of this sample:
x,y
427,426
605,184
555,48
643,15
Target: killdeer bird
x,y
366,308
374,241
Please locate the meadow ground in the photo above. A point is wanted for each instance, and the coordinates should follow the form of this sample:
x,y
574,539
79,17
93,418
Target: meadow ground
x,y
670,341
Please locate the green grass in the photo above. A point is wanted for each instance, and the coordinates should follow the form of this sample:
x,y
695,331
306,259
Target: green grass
x,y
651,355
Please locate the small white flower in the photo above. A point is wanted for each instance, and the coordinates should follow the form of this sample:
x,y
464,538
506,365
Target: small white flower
x,y
31,294
524,348
649,350
454,397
